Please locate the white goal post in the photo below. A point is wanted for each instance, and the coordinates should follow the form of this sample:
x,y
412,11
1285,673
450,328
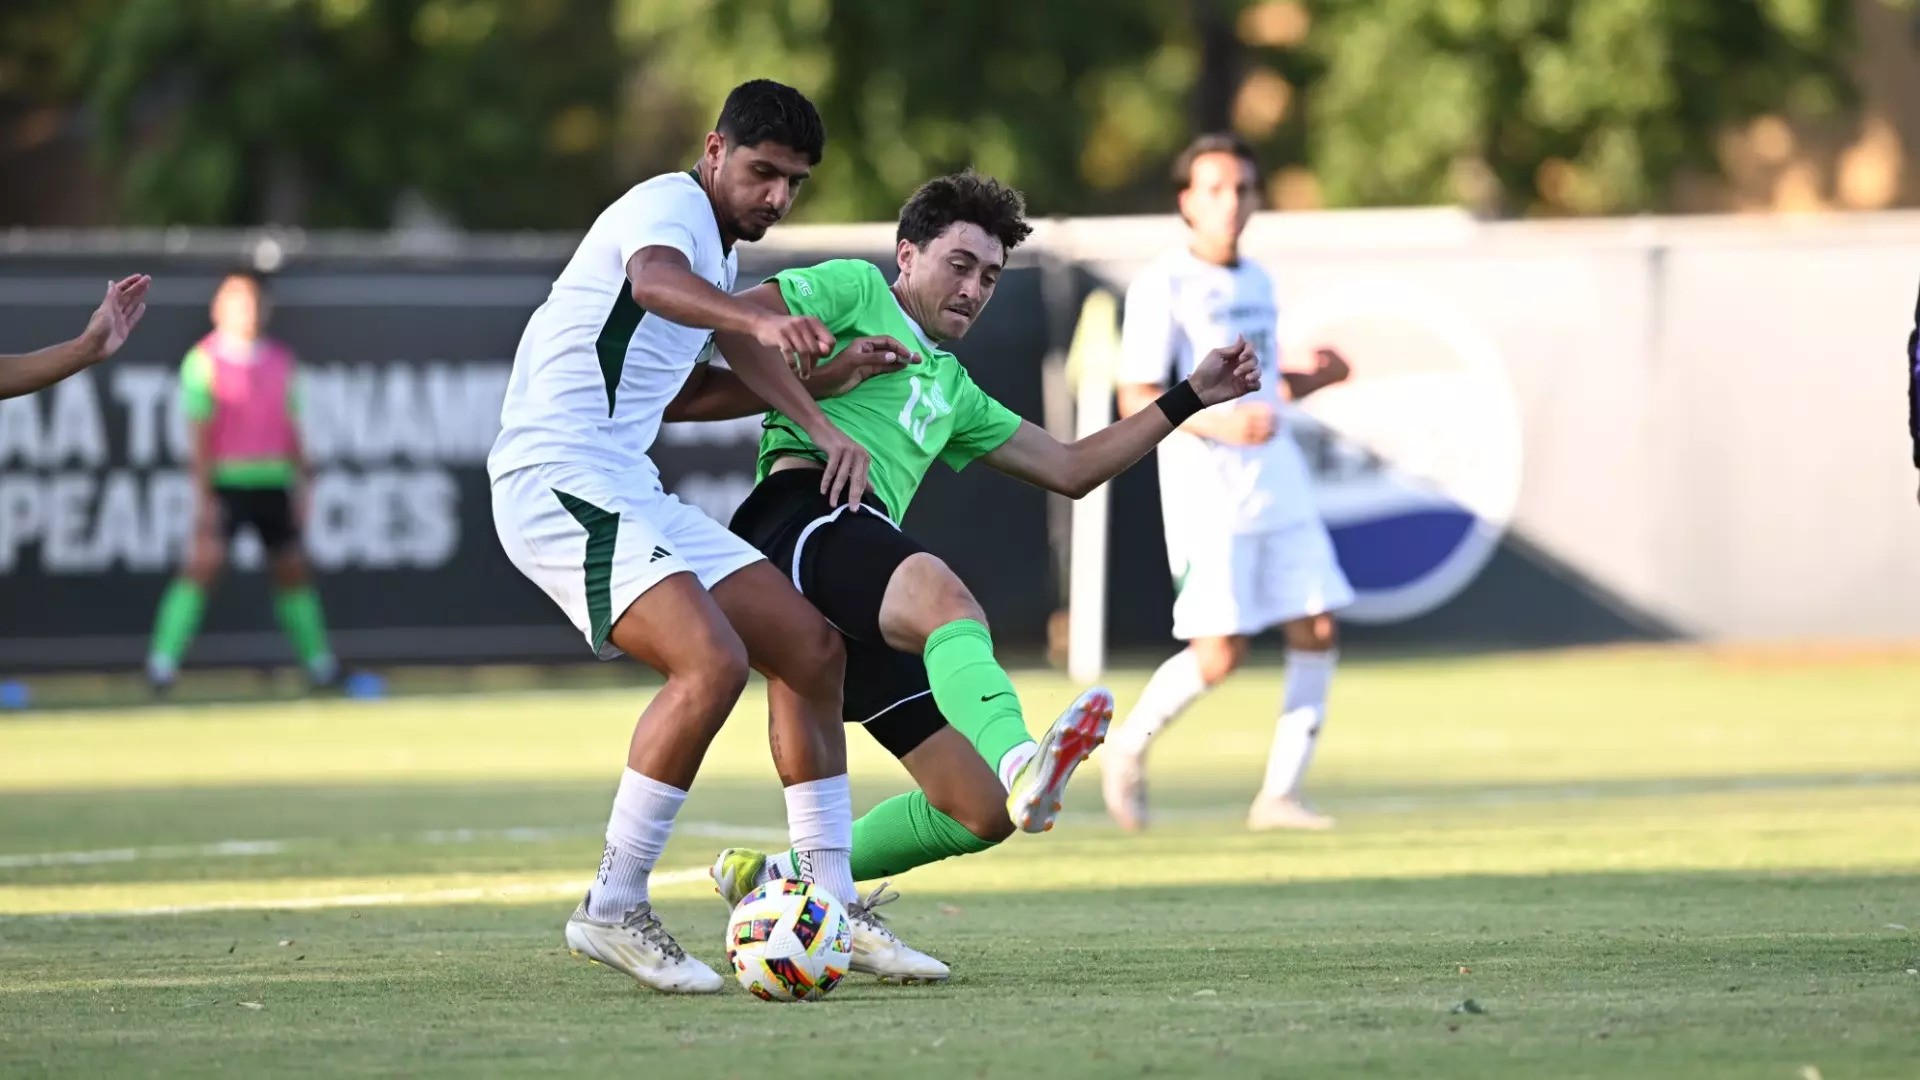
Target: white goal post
x,y
1090,362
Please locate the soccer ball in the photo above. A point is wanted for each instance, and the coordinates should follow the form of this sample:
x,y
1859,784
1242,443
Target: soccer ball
x,y
789,941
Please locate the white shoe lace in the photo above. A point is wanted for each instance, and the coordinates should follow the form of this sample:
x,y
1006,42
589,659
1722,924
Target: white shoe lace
x,y
644,922
861,911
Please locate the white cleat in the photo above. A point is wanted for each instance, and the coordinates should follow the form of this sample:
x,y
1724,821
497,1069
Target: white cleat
x,y
639,946
1285,812
1041,783
876,951
1123,784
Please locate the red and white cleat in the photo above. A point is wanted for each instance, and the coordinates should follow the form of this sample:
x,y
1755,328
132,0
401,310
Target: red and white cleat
x,y
1033,799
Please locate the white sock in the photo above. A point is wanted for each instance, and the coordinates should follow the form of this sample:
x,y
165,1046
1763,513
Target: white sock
x,y
1303,709
820,823
1176,685
779,865
643,813
1014,760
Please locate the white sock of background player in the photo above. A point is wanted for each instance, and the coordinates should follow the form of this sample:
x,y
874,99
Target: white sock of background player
x,y
1174,686
1303,711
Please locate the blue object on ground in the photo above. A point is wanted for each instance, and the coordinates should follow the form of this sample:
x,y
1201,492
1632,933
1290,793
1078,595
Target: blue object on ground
x,y
365,685
14,695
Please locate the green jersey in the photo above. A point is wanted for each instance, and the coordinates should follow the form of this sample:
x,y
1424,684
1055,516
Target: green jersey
x,y
905,419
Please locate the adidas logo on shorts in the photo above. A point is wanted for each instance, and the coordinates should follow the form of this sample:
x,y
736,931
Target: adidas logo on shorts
x,y
660,553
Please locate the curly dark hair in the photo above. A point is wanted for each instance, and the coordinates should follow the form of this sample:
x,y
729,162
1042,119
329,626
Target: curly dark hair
x,y
969,197
767,111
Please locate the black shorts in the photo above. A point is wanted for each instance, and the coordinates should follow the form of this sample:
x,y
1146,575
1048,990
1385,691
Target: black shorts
x,y
268,511
841,559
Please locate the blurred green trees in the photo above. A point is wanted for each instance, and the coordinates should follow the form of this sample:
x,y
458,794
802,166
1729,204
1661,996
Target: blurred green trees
x,y
532,113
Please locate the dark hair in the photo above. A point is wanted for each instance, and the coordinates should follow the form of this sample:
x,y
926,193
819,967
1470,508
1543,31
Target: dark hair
x,y
767,111
969,197
1214,143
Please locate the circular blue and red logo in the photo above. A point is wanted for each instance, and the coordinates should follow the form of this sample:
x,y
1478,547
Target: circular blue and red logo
x,y
1416,458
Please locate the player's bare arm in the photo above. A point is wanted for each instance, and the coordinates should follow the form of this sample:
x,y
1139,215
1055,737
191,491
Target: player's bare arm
x,y
125,305
758,342
1248,424
763,367
664,283
1076,468
713,393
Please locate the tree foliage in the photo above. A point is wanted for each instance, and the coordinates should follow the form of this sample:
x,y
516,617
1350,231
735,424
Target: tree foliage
x,y
325,111
531,113
1592,106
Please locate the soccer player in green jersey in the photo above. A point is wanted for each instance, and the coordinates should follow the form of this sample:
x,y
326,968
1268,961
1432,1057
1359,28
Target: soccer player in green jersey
x,y
921,674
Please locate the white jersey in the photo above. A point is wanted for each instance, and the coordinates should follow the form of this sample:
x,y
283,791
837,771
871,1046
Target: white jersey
x,y
1178,309
594,373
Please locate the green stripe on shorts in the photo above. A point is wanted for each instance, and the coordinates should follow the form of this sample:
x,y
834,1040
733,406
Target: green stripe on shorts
x,y
603,530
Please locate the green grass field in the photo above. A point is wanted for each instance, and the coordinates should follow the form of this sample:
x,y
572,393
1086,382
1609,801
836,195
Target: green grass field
x,y
1634,864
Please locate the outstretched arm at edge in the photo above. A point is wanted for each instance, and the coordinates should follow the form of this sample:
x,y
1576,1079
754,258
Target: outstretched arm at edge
x,y
1076,468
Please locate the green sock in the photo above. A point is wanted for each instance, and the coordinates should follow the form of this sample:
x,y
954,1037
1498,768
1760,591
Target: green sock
x,y
175,624
900,834
299,612
973,690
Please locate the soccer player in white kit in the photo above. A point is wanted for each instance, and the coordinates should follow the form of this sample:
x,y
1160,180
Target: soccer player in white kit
x,y
579,508
1246,544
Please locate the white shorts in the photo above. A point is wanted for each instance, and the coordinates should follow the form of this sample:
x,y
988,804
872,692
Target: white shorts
x,y
1228,584
595,541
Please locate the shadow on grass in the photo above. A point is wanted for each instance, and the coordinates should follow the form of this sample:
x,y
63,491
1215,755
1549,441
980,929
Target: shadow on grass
x,y
344,830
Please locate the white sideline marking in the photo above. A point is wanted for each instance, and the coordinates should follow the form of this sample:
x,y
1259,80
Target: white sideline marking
x,y
388,899
120,855
1598,791
1364,804
233,848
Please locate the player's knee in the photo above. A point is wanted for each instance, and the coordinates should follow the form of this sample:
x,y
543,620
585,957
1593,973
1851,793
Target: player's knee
x,y
820,661
1219,657
930,588
1318,633
290,569
715,678
205,564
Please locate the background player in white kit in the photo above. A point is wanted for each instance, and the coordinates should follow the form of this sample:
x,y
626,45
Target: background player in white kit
x,y
1246,544
579,509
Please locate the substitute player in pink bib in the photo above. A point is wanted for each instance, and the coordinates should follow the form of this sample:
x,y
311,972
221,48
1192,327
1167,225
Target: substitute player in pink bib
x,y
239,391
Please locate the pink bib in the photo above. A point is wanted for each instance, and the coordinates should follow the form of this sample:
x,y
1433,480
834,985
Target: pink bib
x,y
251,420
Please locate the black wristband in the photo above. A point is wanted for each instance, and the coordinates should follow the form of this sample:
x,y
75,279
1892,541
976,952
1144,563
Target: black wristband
x,y
1180,403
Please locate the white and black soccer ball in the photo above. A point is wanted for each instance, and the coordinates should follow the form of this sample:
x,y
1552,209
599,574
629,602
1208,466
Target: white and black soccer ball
x,y
789,941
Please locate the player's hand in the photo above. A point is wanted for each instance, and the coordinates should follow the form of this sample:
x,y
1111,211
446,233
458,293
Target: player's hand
x,y
861,360
1225,374
801,339
846,472
1249,423
117,315
1330,367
